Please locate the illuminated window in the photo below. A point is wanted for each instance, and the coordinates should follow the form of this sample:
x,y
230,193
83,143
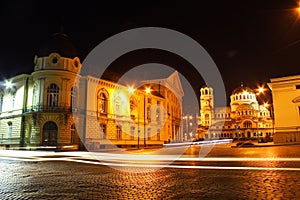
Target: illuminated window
x,y
206,118
52,95
247,124
102,102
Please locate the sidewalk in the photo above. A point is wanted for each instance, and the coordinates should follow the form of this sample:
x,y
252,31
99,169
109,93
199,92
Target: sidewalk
x,y
250,144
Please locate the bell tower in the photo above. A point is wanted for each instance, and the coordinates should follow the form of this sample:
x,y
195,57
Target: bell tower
x,y
206,105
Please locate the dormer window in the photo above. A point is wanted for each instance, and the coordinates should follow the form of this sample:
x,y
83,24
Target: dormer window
x,y
54,60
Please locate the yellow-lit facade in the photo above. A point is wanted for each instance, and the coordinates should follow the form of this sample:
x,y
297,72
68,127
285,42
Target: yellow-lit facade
x,y
46,108
286,102
243,119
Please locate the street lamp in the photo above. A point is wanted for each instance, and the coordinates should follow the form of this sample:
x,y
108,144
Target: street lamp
x,y
147,91
131,90
187,124
260,90
266,105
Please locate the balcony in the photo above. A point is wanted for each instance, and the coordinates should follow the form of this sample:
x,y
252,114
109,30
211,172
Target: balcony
x,y
50,109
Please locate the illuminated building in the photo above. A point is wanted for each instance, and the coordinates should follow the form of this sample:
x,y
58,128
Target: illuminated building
x,y
243,119
45,108
286,101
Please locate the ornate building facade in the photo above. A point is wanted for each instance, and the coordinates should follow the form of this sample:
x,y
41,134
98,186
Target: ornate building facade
x,y
46,108
243,119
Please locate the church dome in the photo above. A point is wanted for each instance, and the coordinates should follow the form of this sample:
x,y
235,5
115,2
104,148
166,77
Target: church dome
x,y
59,43
242,89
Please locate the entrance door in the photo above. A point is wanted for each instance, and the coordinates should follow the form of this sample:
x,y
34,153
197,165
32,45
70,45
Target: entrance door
x,y
249,134
50,134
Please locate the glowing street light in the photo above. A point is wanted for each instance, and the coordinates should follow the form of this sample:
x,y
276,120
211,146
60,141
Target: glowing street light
x,y
8,84
260,90
131,90
147,91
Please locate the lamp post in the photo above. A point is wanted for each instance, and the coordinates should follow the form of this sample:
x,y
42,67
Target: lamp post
x,y
147,91
187,118
266,105
131,90
260,90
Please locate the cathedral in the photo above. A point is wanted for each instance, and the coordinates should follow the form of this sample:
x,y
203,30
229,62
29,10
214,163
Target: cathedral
x,y
45,108
243,119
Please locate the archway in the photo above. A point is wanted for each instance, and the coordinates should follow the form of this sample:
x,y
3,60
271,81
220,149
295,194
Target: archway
x,y
50,134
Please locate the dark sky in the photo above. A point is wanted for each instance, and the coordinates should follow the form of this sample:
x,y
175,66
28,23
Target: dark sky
x,y
250,41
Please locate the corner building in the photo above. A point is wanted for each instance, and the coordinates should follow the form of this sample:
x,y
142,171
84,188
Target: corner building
x,y
46,108
243,119
286,101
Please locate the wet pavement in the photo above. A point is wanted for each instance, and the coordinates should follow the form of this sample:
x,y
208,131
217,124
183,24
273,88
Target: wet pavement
x,y
252,174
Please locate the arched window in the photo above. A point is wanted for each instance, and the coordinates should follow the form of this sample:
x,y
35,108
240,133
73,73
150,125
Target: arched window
x,y
247,124
102,102
206,118
52,95
73,103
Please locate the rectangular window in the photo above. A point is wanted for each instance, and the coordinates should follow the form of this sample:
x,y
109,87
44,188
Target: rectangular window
x,y
132,133
297,87
9,129
149,133
103,131
119,132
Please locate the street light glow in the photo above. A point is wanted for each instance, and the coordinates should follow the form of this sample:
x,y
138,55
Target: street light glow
x,y
261,90
131,90
148,90
266,105
8,84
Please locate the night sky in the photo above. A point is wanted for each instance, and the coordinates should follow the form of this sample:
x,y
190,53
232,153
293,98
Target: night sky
x,y
250,41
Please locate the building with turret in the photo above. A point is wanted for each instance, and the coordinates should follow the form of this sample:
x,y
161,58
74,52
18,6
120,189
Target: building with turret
x,y
45,108
243,119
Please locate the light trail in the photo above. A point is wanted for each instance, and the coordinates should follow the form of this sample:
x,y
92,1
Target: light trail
x,y
135,165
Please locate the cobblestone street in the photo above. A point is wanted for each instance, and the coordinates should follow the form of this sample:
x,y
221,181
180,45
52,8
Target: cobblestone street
x,y
68,180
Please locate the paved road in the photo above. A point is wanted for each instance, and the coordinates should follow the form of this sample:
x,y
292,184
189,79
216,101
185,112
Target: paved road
x,y
248,173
